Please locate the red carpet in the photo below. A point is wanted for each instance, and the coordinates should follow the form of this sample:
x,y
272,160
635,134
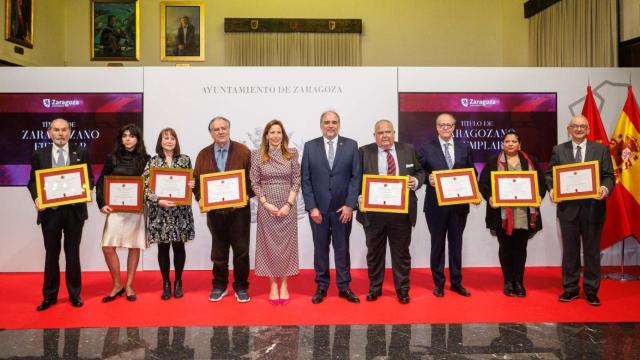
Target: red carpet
x,y
21,294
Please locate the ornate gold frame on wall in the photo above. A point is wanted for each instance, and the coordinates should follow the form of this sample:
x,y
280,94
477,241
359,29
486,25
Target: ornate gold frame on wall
x,y
167,9
28,40
96,56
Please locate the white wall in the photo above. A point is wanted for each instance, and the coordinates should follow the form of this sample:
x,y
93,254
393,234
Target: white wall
x,y
176,97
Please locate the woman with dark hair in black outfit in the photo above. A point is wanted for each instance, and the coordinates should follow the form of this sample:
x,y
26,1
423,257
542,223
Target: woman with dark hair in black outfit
x,y
127,230
513,226
169,225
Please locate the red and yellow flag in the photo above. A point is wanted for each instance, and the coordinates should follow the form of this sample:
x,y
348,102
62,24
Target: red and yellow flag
x,y
616,226
625,151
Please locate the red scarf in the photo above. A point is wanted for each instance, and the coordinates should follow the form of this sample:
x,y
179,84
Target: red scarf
x,y
506,213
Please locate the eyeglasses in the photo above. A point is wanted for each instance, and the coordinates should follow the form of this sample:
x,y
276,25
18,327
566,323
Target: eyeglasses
x,y
445,126
581,127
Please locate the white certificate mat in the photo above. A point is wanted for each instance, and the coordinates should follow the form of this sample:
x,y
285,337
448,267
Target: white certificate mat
x,y
385,193
124,194
517,188
64,185
576,181
223,190
456,187
170,186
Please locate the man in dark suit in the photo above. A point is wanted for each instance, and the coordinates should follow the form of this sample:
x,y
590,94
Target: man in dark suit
x,y
581,220
186,38
331,175
230,228
444,222
67,219
387,157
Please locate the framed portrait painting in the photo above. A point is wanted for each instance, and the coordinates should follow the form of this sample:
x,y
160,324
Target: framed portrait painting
x,y
18,22
182,31
115,30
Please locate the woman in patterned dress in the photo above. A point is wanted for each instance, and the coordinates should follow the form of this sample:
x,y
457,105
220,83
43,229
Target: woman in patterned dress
x,y
275,179
121,229
169,225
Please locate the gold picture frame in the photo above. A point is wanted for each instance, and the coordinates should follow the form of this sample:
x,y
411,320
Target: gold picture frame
x,y
115,30
18,22
401,197
182,31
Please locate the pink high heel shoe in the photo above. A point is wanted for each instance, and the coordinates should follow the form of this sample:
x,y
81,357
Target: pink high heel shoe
x,y
285,301
274,302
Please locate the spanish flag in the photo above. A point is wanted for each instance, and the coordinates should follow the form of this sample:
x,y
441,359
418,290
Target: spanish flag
x,y
616,226
625,199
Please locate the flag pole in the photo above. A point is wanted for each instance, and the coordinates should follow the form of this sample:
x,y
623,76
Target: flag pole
x,y
621,275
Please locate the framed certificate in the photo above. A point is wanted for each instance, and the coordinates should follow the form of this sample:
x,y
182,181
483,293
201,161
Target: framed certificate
x,y
385,193
223,190
456,186
515,188
576,181
124,193
63,185
171,184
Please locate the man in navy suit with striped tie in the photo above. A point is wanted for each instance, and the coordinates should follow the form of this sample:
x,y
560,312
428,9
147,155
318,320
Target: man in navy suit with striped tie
x,y
331,175
445,222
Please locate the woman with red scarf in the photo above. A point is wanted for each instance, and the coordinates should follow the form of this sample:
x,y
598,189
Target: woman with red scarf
x,y
513,226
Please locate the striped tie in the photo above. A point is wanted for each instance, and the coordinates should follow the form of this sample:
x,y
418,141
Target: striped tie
x,y
391,163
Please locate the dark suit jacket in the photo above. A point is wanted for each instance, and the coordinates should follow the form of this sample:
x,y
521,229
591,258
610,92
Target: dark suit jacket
x,y
327,188
493,218
595,210
407,165
190,43
432,159
41,159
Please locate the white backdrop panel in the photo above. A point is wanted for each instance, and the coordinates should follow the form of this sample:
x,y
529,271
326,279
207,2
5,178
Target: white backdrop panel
x,y
187,98
610,90
21,238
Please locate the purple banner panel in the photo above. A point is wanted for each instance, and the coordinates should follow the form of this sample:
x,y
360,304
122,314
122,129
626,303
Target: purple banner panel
x,y
94,118
482,120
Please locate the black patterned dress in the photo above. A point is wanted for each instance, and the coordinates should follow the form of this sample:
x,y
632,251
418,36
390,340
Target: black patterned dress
x,y
172,224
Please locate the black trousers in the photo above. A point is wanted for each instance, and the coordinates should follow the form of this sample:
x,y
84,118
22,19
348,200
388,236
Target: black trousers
x,y
230,230
331,232
395,229
574,233
54,224
513,254
446,227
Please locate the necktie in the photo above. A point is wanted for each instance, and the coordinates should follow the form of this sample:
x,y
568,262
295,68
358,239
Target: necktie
x,y
332,154
220,159
447,155
578,156
391,163
59,160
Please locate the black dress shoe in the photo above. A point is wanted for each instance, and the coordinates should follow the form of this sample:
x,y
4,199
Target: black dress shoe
x,y
592,299
519,290
177,289
46,303
166,290
373,296
568,296
460,290
403,297
76,302
349,295
110,298
319,296
132,297
508,289
438,292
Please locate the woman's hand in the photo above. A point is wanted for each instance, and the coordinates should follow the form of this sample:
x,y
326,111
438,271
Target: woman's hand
x,y
166,203
192,183
106,209
284,210
491,203
272,209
